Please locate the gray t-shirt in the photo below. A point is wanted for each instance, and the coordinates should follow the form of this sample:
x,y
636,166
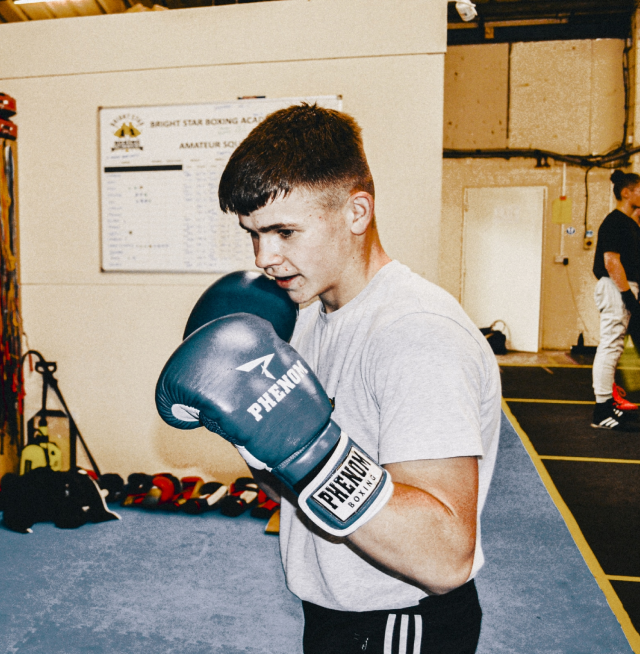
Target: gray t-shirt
x,y
412,378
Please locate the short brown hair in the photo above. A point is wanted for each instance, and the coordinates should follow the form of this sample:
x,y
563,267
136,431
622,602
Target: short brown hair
x,y
303,146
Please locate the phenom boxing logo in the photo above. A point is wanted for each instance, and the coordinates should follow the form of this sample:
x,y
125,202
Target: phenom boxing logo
x,y
265,361
279,390
350,486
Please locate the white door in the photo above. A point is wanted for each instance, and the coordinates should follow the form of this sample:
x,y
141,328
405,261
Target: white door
x,y
502,260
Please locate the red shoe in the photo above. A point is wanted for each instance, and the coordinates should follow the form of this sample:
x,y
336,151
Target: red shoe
x,y
619,402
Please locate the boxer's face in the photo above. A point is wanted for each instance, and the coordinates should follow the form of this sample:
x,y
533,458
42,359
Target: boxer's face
x,y
634,196
302,244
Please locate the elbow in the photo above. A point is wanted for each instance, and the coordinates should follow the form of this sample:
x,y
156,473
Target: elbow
x,y
452,572
450,579
458,575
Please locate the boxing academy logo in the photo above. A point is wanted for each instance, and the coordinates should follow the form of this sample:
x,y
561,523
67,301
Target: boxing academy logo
x,y
350,486
127,128
265,361
279,390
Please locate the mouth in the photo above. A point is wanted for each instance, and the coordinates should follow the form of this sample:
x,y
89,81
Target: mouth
x,y
285,282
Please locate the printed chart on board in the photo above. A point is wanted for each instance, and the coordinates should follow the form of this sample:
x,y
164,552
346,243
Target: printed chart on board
x,y
160,169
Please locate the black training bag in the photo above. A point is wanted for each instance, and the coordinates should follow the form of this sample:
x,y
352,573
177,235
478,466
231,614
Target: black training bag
x,y
495,337
69,499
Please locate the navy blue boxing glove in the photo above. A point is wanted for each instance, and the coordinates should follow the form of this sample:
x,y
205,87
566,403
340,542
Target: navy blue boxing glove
x,y
236,377
245,292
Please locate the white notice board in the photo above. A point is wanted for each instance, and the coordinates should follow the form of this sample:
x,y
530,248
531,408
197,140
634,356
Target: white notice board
x,y
159,171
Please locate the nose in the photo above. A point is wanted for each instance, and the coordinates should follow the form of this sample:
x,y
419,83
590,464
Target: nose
x,y
266,251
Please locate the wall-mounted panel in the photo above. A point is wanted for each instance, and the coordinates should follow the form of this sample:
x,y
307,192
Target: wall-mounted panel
x,y
550,105
476,92
607,95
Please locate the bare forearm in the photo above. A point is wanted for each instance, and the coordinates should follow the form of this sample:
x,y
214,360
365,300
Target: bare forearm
x,y
420,540
427,539
616,271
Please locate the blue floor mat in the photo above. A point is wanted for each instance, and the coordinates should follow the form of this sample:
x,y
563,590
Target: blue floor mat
x,y
177,584
536,591
150,583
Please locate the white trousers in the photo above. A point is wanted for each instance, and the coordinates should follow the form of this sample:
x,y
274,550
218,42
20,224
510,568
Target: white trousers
x,y
614,320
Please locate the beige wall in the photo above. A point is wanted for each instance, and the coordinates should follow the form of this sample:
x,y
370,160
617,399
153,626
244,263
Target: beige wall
x,y
476,92
111,333
565,96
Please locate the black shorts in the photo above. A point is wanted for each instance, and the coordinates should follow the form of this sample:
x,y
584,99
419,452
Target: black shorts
x,y
442,624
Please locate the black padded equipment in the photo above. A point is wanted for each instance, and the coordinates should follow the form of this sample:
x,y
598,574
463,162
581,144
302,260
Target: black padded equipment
x,y
69,499
200,504
114,484
138,483
243,495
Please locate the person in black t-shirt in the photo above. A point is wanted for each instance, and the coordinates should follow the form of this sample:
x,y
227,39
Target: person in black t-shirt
x,y
617,267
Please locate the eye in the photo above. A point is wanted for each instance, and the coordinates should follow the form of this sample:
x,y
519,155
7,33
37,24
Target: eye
x,y
286,233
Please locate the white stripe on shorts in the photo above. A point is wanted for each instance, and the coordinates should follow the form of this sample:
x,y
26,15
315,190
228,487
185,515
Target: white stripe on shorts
x,y
404,634
417,638
404,630
388,634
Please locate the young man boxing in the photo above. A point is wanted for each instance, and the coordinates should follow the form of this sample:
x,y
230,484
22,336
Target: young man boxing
x,y
382,496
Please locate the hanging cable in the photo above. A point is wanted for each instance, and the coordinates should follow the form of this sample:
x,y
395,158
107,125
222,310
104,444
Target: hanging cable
x,y
586,198
618,157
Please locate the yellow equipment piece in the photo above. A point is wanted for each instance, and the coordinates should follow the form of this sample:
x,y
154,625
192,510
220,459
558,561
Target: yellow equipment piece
x,y
273,526
561,211
35,456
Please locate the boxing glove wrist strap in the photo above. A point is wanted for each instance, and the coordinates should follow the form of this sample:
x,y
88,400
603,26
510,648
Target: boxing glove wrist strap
x,y
298,469
347,492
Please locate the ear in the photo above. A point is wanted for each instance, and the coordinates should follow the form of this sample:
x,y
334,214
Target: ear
x,y
627,192
361,211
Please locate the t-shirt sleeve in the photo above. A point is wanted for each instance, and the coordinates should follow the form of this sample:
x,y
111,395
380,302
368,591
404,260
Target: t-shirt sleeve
x,y
426,373
612,235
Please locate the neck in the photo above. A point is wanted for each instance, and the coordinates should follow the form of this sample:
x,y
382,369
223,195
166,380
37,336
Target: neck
x,y
356,274
626,207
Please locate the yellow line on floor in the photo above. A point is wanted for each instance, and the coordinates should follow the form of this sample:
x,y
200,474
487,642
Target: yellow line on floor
x,y
543,365
622,578
586,458
594,566
523,399
556,365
